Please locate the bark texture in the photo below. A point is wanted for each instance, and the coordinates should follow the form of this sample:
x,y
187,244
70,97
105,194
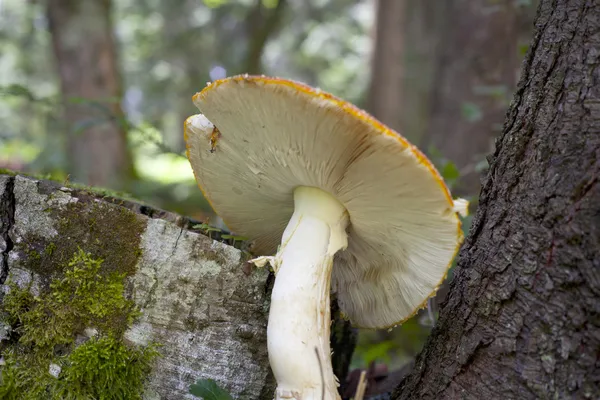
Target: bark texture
x,y
522,317
208,315
85,53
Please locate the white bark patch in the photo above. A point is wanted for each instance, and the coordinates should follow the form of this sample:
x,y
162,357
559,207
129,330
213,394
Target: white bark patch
x,y
206,313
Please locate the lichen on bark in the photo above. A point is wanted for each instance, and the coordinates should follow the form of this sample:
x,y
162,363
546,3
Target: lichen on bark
x,y
194,297
105,230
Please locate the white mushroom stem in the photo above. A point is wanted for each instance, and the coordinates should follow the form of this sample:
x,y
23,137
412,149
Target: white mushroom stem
x,y
299,318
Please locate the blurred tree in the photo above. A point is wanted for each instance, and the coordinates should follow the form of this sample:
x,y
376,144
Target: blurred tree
x,y
263,21
201,42
86,60
424,21
387,70
477,68
521,319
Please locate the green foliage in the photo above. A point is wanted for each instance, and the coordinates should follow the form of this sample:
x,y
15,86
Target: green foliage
x,y
214,3
380,351
270,3
450,172
206,229
393,347
17,91
234,240
47,326
208,389
323,43
239,242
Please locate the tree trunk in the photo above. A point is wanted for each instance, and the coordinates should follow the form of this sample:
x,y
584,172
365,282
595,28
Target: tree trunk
x,y
262,24
425,23
475,74
85,53
387,66
207,315
521,319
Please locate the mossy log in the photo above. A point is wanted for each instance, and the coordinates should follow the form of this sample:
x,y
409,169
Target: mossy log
x,y
206,312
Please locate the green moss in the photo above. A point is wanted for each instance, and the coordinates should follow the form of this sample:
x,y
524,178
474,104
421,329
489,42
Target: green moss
x,y
108,231
33,255
94,365
112,232
50,249
6,171
38,176
15,303
100,191
47,326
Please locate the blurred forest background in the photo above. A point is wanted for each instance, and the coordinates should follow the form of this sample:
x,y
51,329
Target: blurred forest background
x,y
96,91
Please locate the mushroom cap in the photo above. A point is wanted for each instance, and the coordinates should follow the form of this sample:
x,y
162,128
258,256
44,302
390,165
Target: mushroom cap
x,y
275,135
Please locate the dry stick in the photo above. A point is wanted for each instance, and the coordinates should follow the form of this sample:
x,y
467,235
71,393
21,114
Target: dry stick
x,y
362,386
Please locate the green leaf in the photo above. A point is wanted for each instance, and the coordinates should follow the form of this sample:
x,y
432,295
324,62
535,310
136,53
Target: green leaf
x,y
380,351
234,237
208,389
450,172
16,90
206,227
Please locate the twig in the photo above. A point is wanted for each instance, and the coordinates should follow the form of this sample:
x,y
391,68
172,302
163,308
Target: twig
x,y
362,386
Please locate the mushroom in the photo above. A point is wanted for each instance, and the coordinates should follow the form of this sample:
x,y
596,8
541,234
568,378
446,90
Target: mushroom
x,y
333,200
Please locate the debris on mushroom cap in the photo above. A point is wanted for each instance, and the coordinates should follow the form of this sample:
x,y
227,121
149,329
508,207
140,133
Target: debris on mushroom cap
x,y
276,135
461,206
201,123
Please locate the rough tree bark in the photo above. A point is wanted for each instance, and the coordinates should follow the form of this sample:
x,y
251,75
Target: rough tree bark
x,y
85,53
521,319
475,73
387,66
